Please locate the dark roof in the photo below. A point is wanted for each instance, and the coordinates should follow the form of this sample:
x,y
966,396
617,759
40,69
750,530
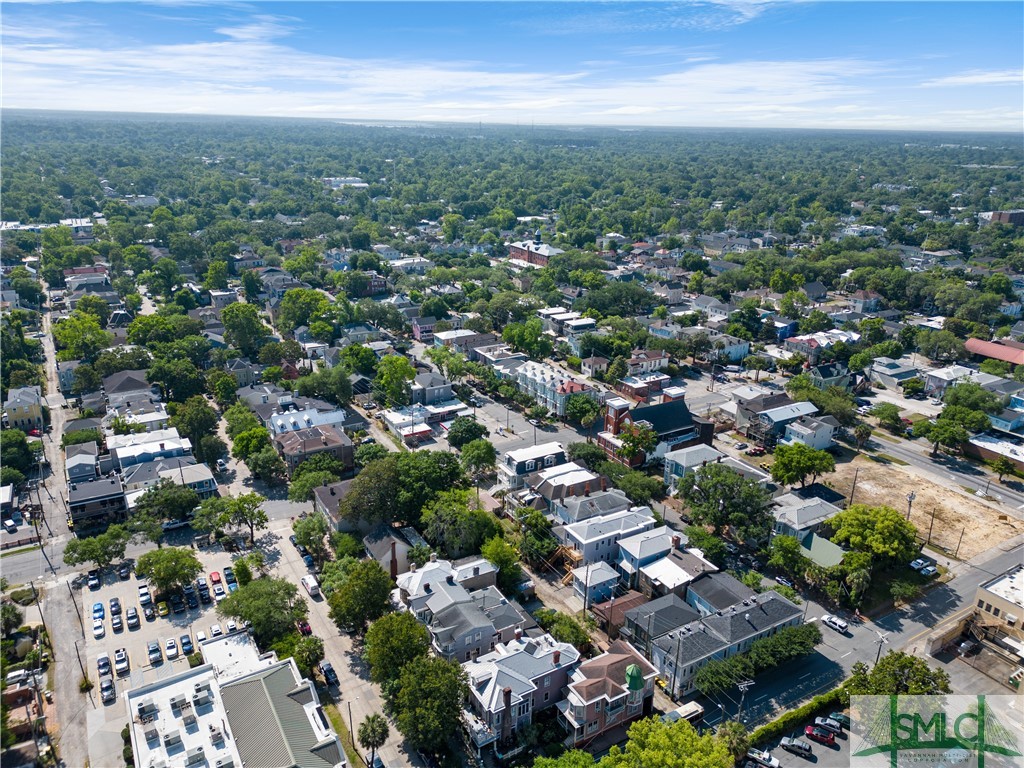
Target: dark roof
x,y
330,496
741,621
720,590
100,488
829,370
126,381
665,417
76,425
662,615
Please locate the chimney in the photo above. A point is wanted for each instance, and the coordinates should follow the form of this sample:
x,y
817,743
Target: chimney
x,y
604,483
519,633
450,579
556,657
476,570
433,557
586,489
506,720
676,541
332,492
426,587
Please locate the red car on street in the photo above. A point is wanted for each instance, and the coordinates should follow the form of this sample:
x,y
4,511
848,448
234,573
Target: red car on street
x,y
820,735
304,628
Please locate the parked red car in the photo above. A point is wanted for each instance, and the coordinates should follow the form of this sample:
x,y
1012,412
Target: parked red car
x,y
304,628
820,735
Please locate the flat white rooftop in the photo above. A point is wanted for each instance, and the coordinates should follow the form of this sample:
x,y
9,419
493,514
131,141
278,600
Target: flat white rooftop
x,y
1009,586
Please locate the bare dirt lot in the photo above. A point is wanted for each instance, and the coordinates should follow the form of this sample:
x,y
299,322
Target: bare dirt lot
x,y
983,526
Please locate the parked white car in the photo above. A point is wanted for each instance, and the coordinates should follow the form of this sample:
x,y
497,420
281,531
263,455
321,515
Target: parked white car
x,y
835,623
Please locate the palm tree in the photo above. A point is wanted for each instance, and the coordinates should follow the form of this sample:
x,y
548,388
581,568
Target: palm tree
x,y
373,733
858,581
861,433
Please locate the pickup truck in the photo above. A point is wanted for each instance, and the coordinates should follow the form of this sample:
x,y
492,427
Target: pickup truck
x,y
796,746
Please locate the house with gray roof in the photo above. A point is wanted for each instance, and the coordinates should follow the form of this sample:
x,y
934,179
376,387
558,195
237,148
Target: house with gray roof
x,y
796,515
644,548
646,623
598,538
594,582
573,509
681,653
512,682
81,462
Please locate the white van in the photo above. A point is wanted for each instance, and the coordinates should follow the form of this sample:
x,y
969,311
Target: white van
x,y
311,585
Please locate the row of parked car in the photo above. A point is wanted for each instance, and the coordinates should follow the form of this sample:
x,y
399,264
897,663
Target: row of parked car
x,y
824,731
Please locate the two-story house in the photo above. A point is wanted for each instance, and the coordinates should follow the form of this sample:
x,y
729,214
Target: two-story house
x,y
671,421
594,582
816,432
512,682
647,361
606,692
298,445
96,501
598,538
423,329
830,375
679,655
644,548
572,509
865,301
771,424
797,516
516,465
645,623
891,373
81,462
23,408
430,388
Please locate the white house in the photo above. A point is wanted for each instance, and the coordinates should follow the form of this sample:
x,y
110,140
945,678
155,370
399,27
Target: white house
x,y
598,538
812,431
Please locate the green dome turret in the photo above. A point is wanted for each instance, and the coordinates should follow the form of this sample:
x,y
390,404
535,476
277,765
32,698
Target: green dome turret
x,y
634,678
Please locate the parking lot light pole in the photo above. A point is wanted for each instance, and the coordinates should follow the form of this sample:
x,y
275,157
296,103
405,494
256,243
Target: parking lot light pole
x,y
882,640
910,502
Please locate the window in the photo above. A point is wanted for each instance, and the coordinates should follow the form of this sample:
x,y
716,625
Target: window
x,y
592,726
549,461
988,608
995,612
547,695
466,640
531,465
547,681
597,707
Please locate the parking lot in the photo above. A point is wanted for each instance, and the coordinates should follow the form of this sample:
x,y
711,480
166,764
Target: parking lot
x,y
189,622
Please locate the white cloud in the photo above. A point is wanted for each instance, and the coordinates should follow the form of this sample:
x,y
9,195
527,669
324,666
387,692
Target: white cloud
x,y
978,77
251,69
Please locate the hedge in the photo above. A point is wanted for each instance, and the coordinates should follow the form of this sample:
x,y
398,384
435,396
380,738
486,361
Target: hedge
x,y
793,719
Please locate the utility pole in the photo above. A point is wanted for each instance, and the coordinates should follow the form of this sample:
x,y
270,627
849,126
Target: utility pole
x,y
882,640
910,502
42,621
931,526
853,488
743,686
80,664
77,610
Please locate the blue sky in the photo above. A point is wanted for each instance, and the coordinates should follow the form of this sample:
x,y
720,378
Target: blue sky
x,y
742,63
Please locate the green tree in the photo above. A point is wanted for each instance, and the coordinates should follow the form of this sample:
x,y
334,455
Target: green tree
x,y
216,278
298,306
861,433
302,488
637,439
858,581
391,384
100,550
80,436
369,453
247,510
362,598
580,408
96,306
271,605
178,379
1003,466
732,735
882,532
455,525
943,432
897,673
311,532
478,458
10,618
373,734
793,464
428,701
721,498
213,514
589,454
244,444
309,651
392,641
756,363
655,743
80,337
168,568
564,628
166,500
504,557
243,327
888,416
239,419
912,387
465,429
195,418
785,554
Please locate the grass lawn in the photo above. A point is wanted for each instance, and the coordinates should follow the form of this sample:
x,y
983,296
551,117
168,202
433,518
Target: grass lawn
x,y
351,751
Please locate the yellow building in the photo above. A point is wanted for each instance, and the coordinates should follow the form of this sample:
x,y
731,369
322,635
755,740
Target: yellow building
x,y
24,408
